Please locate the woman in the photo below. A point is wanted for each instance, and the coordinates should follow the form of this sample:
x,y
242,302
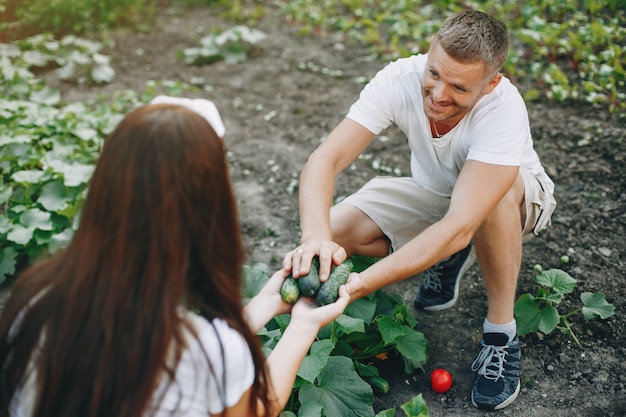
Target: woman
x,y
141,314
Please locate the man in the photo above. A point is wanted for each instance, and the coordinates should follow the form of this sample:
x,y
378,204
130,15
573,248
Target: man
x,y
476,185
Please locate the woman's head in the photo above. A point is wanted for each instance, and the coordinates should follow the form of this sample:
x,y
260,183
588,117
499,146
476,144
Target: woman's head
x,y
161,193
159,229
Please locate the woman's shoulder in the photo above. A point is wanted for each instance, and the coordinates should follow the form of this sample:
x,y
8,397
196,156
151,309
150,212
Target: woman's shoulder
x,y
212,333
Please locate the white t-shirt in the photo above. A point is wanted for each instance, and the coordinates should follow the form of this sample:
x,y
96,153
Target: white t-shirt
x,y
495,131
196,389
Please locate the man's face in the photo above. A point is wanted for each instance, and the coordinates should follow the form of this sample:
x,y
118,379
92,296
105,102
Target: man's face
x,y
452,88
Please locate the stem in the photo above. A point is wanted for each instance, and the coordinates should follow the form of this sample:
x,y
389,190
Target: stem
x,y
567,316
569,329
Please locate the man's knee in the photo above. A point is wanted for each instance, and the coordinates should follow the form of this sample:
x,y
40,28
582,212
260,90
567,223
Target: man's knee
x,y
512,204
356,231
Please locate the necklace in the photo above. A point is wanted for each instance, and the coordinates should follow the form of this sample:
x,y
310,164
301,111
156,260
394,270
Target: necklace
x,y
437,135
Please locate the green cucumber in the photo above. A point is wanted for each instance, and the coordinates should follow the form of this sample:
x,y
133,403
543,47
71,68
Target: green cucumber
x,y
289,291
310,283
329,291
379,384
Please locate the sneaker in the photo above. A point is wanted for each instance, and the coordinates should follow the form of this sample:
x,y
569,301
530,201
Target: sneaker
x,y
440,288
497,382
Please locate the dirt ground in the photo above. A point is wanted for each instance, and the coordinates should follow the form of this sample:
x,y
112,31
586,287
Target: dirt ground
x,y
280,103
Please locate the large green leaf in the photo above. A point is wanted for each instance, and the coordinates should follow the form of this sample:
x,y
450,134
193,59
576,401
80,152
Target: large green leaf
x,y
37,219
316,360
349,324
341,390
29,176
20,234
560,281
413,347
53,196
363,308
311,409
531,317
596,306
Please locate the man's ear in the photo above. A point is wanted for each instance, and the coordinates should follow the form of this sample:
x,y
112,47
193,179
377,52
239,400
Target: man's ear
x,y
493,83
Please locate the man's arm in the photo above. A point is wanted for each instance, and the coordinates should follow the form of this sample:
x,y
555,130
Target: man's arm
x,y
342,146
479,188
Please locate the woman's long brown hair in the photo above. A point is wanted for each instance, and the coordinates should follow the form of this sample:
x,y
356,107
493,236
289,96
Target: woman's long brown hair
x,y
159,229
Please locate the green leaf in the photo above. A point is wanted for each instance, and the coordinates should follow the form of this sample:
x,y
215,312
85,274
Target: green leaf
x,y
531,317
8,260
30,176
254,278
386,413
60,240
53,196
416,407
77,174
595,305
390,330
557,279
48,95
341,390
413,347
5,193
36,219
311,409
401,314
316,360
103,74
20,234
287,414
362,308
349,324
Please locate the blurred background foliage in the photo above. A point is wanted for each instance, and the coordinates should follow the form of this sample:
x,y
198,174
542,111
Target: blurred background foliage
x,y
562,49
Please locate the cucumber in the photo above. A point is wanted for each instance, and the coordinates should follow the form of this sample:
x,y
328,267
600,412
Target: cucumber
x,y
329,291
289,291
379,384
310,283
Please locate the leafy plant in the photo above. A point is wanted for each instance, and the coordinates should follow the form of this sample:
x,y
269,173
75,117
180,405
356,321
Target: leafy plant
x,y
47,155
334,375
76,59
74,16
564,50
232,45
540,312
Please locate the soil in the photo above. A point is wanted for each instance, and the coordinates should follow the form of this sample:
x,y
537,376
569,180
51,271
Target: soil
x,y
282,101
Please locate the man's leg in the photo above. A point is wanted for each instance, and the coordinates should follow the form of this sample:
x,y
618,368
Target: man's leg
x,y
498,244
357,232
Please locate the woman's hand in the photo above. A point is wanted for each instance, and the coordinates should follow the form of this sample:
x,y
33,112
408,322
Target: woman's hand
x,y
306,314
267,303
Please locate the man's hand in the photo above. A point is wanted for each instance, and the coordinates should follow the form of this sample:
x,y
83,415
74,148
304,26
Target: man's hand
x,y
298,261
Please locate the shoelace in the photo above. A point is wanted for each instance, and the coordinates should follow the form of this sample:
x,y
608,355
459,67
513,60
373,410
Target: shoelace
x,y
490,361
431,280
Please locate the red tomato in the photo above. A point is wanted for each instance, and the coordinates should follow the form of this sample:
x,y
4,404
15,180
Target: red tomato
x,y
440,380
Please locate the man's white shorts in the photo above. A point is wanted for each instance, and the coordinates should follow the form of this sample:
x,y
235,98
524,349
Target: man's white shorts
x,y
403,209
